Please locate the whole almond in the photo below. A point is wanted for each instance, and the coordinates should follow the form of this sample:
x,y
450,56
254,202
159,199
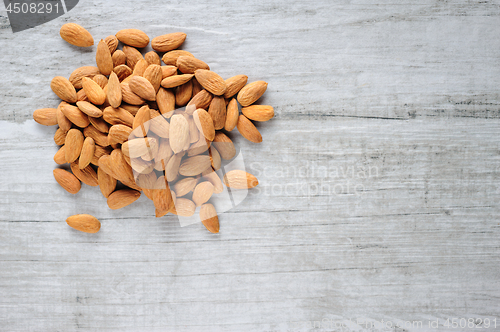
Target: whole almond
x,y
77,117
147,182
74,144
121,198
132,109
202,192
166,101
211,81
215,158
154,75
112,43
81,96
172,167
152,58
107,183
84,223
178,133
114,92
89,109
46,116
183,93
204,123
117,116
184,186
140,67
224,146
194,133
63,88
99,138
87,175
215,180
176,80
231,115
129,96
137,147
60,136
76,35
238,179
188,64
201,100
62,120
68,181
258,112
118,134
234,85
217,111
170,58
133,37
168,42
103,58
142,87
94,92
251,92
122,71
167,71
196,87
160,126
195,165
162,197
209,218
99,124
60,156
99,152
199,147
248,130
86,71
133,56
184,207
164,151
122,169
87,153
141,119
119,58
101,80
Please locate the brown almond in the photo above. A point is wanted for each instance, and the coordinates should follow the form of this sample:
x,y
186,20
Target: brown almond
x,y
68,181
248,130
94,92
60,156
133,56
77,117
107,183
224,146
46,116
178,132
258,112
160,126
121,198
184,207
215,158
138,147
87,153
76,35
117,116
87,175
234,85
140,67
141,119
154,75
196,87
103,58
114,92
189,64
81,96
152,58
166,101
199,147
183,93
217,111
204,123
215,180
74,144
201,100
162,197
202,192
129,96
99,124
60,136
251,92
238,179
184,186
86,71
170,58
194,133
133,37
63,88
168,42
112,43
176,80
209,218
99,138
99,152
167,71
147,183
119,58
62,120
132,109
231,115
122,169
118,134
142,87
172,167
101,80
195,165
89,109
84,223
211,81
122,72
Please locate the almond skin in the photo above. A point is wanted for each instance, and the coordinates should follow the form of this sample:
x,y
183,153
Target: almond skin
x,y
133,37
154,75
195,165
140,67
119,58
162,197
211,81
133,56
143,88
115,116
209,218
175,80
45,116
251,92
89,109
239,179
76,35
165,99
201,100
178,132
204,123
77,117
170,58
103,58
114,92
84,223
88,150
189,64
152,58
121,198
101,80
94,92
224,146
217,111
63,88
202,192
60,136
68,181
74,143
141,119
122,71
60,156
248,130
118,134
86,71
99,138
107,183
234,85
112,43
183,93
258,112
168,42
62,120
87,175
99,124
129,96
232,114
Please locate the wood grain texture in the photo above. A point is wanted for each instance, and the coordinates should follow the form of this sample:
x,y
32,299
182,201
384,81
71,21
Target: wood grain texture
x,y
379,175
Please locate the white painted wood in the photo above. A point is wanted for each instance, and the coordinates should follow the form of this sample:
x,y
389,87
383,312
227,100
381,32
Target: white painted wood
x,y
406,91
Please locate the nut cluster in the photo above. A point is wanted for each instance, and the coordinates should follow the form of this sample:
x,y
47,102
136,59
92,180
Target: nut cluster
x,y
157,129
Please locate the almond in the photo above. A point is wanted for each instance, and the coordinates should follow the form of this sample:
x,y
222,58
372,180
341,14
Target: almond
x,y
86,71
81,96
215,158
204,123
115,116
211,81
202,192
194,133
112,43
87,153
118,134
224,146
133,37
46,116
238,179
99,138
147,182
121,198
121,169
188,64
60,136
251,92
87,175
74,144
164,151
133,56
184,207
167,71
76,35
170,58
234,85
140,68
195,165
101,80
184,186
178,133
141,120
103,58
94,92
183,93
201,100
142,87
99,152
217,111
172,167
160,126
119,58
209,218
199,147
166,101
154,75
168,42
67,180
84,223
99,124
62,120
162,197
153,58
60,156
176,80
196,87
77,117
248,130
215,180
129,96
137,147
122,72
89,109
231,115
258,112
114,92
63,88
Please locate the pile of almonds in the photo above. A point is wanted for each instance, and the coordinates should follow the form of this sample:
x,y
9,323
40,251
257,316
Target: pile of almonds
x,y
157,129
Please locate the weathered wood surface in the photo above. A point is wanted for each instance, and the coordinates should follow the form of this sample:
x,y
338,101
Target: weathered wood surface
x,y
379,175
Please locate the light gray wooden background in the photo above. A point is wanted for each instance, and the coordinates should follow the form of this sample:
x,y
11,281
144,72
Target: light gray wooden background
x,y
404,93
